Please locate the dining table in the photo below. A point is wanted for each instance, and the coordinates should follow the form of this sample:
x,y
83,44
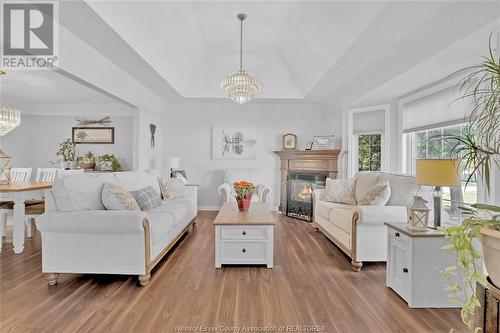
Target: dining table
x,y
19,193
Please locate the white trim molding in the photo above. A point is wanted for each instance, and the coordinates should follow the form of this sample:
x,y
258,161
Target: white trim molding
x,y
351,145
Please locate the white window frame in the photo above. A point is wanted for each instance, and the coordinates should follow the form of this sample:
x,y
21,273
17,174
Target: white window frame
x,y
355,146
352,143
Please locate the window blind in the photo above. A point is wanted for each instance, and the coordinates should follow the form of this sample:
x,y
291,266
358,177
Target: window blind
x,y
443,108
368,122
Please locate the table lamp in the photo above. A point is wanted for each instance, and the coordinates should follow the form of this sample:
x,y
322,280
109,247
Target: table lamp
x,y
437,173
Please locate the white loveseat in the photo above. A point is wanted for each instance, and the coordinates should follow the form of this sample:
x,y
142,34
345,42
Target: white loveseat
x,y
255,176
80,236
359,230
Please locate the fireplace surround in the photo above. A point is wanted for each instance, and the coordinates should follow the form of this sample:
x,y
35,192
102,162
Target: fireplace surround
x,y
305,168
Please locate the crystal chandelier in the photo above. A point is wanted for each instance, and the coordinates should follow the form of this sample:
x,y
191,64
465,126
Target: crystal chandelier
x,y
10,118
240,86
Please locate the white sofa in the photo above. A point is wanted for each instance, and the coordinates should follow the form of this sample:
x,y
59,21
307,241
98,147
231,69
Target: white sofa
x,y
80,236
359,231
257,177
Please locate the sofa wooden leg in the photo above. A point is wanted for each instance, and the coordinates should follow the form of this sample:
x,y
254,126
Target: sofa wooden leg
x,y
144,279
356,265
195,220
52,278
315,228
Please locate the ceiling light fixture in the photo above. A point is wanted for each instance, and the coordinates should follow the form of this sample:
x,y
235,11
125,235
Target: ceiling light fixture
x,y
10,118
240,86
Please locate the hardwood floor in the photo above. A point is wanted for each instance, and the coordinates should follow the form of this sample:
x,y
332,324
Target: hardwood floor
x,y
311,284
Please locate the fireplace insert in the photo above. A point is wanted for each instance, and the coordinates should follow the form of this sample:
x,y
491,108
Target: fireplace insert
x,y
299,188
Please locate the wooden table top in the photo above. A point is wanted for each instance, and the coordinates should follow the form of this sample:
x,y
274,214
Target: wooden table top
x,y
258,214
403,228
21,187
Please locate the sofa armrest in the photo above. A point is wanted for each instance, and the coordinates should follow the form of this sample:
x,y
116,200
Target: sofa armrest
x,y
225,190
92,222
263,192
381,214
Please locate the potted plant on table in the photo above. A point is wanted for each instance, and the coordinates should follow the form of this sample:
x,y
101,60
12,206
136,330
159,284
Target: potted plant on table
x,y
479,151
244,191
88,161
109,162
67,152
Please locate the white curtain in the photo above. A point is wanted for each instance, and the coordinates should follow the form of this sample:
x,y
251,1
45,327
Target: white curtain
x,y
370,121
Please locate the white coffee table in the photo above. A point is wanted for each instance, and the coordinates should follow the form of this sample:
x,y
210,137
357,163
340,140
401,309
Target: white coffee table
x,y
244,237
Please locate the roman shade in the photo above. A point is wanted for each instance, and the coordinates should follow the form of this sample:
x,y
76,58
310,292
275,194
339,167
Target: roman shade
x,y
369,121
443,108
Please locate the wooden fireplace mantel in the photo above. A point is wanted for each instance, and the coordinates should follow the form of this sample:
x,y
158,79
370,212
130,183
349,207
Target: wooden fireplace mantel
x,y
329,161
310,160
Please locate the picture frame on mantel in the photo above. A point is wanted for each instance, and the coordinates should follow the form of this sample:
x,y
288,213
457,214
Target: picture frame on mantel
x,y
289,141
323,142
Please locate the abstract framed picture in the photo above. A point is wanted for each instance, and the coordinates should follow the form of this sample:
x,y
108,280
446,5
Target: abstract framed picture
x,y
234,143
94,135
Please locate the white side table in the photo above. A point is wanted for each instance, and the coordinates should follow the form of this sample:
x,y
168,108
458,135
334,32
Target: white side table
x,y
415,261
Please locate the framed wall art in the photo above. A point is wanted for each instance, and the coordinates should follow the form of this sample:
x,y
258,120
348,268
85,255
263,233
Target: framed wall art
x,y
234,143
289,141
103,135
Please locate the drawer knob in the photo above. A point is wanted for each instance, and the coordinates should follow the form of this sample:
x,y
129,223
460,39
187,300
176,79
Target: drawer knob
x,y
244,250
244,232
396,234
405,270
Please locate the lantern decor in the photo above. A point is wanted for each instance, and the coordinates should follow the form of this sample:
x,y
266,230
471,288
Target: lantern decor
x,y
418,214
5,166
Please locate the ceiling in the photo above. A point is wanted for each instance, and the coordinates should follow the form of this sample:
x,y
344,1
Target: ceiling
x,y
333,52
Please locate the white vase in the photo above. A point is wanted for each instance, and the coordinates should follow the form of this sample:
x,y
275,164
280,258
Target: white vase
x,y
491,253
65,164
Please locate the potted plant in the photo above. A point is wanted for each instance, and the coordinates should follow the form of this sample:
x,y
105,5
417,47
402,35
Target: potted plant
x,y
479,151
244,191
109,162
67,152
88,161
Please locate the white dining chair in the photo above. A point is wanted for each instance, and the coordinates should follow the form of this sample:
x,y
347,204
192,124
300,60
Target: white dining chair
x,y
17,175
46,174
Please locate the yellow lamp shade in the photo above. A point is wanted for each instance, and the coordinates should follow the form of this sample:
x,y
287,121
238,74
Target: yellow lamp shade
x,y
437,172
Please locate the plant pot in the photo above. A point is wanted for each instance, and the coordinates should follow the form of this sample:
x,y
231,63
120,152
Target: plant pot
x,y
491,253
65,164
87,166
243,203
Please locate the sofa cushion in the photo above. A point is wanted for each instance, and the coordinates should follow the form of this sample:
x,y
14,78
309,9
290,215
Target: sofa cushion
x,y
378,195
160,224
147,198
323,208
342,217
340,191
365,180
403,189
172,188
115,197
80,192
178,210
135,180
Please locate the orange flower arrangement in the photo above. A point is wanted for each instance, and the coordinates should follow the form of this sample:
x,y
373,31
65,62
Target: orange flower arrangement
x,y
244,189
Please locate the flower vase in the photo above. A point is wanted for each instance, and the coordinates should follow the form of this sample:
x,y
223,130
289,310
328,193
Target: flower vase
x,y
243,203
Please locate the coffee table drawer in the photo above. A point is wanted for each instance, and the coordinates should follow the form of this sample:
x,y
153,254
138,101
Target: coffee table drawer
x,y
244,232
243,252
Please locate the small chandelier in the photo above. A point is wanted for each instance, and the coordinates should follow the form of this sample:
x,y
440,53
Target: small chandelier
x,y
10,118
240,86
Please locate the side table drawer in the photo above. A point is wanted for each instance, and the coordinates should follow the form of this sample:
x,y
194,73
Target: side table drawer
x,y
399,236
244,232
239,251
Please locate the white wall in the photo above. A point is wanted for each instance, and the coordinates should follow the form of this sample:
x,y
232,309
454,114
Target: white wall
x,y
35,141
188,135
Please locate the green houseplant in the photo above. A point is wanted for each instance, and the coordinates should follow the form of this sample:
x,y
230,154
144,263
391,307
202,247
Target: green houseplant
x,y
109,162
66,151
479,151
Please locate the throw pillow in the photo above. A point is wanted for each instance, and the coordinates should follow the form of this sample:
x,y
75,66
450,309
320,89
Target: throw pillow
x,y
115,197
378,195
340,191
147,198
172,188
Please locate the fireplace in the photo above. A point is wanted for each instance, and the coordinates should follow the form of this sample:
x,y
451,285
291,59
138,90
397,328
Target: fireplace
x,y
302,171
299,188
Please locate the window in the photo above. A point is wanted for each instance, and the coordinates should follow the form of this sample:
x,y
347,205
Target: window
x,y
432,143
369,152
